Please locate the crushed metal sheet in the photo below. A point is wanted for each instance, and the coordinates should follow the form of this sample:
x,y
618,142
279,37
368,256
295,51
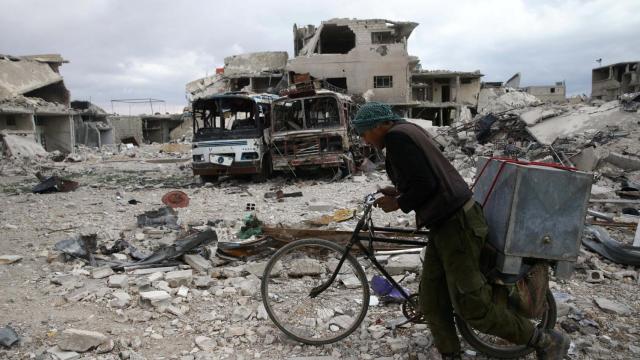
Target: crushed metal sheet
x,y
80,246
8,336
170,253
603,244
164,216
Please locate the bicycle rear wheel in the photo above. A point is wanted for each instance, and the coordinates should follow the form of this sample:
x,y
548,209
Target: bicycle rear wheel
x,y
294,271
502,349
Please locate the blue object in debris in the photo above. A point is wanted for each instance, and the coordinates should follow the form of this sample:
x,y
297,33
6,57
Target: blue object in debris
x,y
385,289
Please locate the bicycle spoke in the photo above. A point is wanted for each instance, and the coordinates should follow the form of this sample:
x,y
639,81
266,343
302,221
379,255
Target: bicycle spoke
x,y
334,312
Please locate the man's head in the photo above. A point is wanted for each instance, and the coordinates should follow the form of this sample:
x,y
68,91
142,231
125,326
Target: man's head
x,y
373,121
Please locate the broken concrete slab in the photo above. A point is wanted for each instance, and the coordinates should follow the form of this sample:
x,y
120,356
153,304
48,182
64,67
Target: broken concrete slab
x,y
612,307
305,267
101,272
537,114
118,281
205,343
623,162
203,282
9,259
183,291
586,160
81,340
197,262
154,270
179,278
21,146
155,296
398,264
63,355
577,122
120,299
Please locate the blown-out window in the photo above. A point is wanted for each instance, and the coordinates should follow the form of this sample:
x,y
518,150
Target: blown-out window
x,y
385,81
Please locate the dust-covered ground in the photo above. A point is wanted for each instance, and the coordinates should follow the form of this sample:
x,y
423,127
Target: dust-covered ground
x,y
220,316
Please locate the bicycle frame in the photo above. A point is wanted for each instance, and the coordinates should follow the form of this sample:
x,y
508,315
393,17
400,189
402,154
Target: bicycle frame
x,y
366,224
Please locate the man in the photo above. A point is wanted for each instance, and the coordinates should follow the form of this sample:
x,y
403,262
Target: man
x,y
428,184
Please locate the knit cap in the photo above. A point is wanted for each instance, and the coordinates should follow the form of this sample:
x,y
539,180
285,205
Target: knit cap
x,y
371,114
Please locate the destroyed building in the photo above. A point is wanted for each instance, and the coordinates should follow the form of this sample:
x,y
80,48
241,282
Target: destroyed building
x,y
34,101
370,57
441,96
611,81
549,93
92,128
127,129
157,128
258,72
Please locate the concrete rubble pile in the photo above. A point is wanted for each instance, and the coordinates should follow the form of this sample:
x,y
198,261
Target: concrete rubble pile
x,y
109,272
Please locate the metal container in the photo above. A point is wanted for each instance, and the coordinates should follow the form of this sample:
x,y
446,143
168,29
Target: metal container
x,y
533,212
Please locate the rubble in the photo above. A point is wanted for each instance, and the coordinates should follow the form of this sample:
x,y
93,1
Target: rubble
x,y
9,259
82,340
183,284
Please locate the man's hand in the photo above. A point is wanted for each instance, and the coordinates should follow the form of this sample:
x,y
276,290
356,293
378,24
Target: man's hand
x,y
389,191
387,203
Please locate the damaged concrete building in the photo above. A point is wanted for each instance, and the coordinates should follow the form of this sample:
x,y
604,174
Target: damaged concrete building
x,y
34,101
257,72
549,93
92,127
611,81
370,58
157,128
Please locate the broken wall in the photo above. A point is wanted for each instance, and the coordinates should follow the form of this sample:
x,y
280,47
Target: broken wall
x,y
17,122
550,93
20,76
125,127
255,63
609,82
362,63
55,132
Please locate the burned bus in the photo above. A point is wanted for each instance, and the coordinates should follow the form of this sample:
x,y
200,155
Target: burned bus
x,y
231,135
311,131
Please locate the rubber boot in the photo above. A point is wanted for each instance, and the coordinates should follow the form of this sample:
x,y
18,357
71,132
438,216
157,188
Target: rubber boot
x,y
550,344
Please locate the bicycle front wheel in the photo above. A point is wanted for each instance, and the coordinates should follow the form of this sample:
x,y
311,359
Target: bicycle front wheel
x,y
287,284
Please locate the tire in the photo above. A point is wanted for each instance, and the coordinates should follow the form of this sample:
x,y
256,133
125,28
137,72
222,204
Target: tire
x,y
297,268
489,345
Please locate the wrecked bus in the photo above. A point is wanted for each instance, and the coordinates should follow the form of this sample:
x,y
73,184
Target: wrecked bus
x,y
312,131
231,135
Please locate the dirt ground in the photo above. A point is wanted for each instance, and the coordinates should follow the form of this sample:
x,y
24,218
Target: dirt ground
x,y
41,295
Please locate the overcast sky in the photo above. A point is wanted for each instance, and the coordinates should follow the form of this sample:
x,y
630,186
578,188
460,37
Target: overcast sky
x,y
141,49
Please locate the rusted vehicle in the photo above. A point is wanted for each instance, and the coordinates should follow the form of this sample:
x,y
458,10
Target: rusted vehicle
x,y
231,135
311,130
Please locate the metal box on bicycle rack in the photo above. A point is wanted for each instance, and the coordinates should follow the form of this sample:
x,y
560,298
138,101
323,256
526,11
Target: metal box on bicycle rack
x,y
533,210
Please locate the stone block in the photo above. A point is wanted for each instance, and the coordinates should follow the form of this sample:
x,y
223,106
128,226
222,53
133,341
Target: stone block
x,y
118,281
101,272
197,262
179,278
81,340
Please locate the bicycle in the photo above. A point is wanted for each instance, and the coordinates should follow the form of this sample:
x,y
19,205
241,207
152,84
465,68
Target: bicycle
x,y
317,293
